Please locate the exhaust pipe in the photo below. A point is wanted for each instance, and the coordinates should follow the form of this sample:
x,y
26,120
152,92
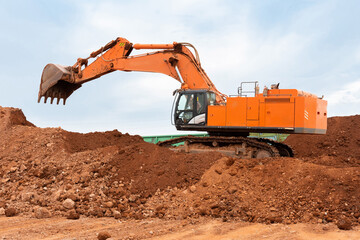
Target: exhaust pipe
x,y
56,83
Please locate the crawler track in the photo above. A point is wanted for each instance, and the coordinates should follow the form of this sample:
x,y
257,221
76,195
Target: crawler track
x,y
235,146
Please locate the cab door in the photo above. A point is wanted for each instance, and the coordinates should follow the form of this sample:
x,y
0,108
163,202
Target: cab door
x,y
200,108
191,108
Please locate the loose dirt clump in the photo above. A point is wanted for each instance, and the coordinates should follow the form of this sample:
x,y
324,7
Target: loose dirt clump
x,y
72,214
103,235
10,212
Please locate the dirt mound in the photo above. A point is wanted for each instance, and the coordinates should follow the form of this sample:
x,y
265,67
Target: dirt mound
x,y
100,172
342,142
11,117
279,190
78,142
114,174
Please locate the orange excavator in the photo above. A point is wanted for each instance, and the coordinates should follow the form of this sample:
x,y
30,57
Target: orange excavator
x,y
198,105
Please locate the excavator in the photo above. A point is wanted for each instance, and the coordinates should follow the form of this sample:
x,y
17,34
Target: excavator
x,y
198,104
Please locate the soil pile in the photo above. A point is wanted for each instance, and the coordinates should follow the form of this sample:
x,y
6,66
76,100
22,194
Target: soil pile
x,y
279,190
49,171
341,141
11,117
99,172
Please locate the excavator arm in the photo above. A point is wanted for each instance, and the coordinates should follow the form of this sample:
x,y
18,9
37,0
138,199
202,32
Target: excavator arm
x,y
175,60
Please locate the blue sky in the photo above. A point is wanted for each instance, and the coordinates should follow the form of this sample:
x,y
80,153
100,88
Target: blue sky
x,y
309,45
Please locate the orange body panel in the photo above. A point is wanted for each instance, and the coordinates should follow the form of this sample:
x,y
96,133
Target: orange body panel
x,y
288,109
235,109
279,112
217,115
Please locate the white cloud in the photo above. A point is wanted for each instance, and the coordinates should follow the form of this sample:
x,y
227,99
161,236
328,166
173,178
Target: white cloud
x,y
345,100
348,94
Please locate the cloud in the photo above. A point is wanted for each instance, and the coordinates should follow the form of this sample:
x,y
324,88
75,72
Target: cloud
x,y
346,100
348,94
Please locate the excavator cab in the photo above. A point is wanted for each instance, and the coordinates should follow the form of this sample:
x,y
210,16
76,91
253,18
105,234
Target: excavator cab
x,y
191,107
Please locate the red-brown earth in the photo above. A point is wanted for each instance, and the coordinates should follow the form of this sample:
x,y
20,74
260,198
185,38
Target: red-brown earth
x,y
50,172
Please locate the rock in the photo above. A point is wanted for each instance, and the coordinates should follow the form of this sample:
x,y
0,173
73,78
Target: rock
x,y
22,167
109,204
307,217
232,189
275,219
229,162
232,171
4,180
73,196
27,196
344,224
223,159
207,196
68,203
203,211
117,214
56,195
103,235
192,188
72,214
272,209
41,212
2,211
132,198
108,213
10,212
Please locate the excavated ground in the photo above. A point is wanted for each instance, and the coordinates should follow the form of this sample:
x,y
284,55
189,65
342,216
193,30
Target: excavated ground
x,y
340,146
47,172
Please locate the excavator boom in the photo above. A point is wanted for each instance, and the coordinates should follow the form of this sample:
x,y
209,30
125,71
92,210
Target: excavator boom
x,y
175,60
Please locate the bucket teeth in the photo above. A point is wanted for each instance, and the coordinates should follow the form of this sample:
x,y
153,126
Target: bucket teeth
x,y
53,96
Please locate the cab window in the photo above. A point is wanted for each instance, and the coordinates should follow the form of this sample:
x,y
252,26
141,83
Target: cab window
x,y
211,98
186,102
200,103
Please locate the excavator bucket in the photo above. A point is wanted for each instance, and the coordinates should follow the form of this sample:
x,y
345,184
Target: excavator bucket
x,y
56,83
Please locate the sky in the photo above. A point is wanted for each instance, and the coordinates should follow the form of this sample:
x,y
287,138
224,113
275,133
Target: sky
x,y
308,45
